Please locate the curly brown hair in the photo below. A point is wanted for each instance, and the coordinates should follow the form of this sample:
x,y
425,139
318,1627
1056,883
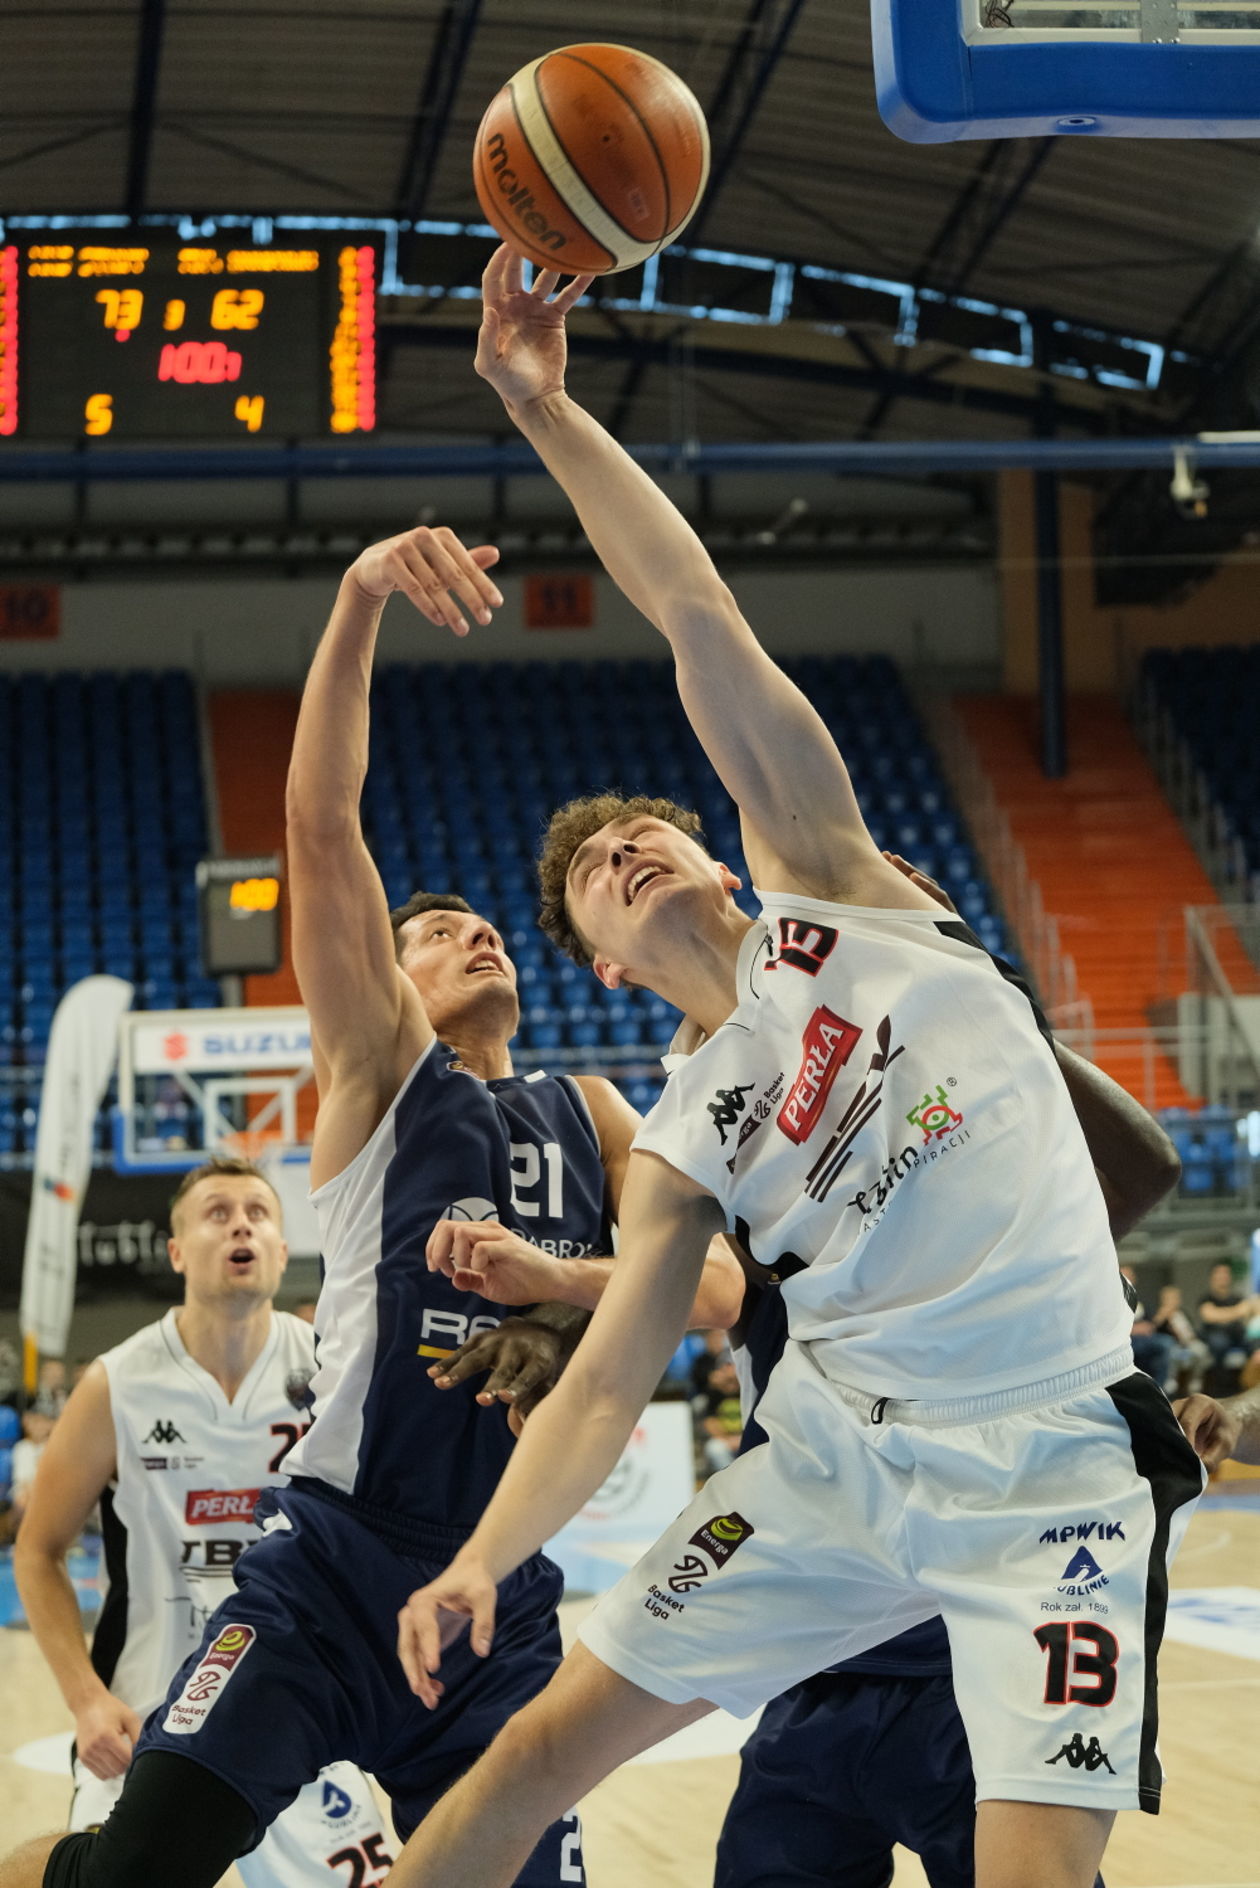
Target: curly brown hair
x,y
569,827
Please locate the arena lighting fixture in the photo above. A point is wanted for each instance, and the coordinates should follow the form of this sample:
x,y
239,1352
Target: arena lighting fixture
x,y
735,288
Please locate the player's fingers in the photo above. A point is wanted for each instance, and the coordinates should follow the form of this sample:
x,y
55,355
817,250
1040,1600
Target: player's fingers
x,y
416,582
493,273
482,1635
512,280
438,1246
485,556
544,282
419,1650
572,293
468,1361
466,576
430,583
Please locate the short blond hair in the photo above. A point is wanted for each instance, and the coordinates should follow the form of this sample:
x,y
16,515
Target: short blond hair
x,y
570,827
223,1166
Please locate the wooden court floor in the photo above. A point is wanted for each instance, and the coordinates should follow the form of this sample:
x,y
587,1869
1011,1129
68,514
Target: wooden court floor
x,y
654,1824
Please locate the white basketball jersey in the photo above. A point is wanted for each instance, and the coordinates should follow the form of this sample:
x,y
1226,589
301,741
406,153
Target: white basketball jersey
x,y
190,1467
882,1122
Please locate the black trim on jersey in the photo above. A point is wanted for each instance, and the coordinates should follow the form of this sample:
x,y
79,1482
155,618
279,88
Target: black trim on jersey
x,y
111,1628
1162,1457
965,935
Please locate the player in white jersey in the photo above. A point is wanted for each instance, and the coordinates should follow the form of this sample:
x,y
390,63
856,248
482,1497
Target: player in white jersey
x,y
176,1432
956,1426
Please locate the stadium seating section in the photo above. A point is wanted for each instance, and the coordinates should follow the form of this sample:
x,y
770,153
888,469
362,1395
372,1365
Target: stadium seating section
x,y
1213,697
102,820
468,762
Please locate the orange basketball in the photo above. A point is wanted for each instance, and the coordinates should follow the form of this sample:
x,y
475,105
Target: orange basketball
x,y
591,159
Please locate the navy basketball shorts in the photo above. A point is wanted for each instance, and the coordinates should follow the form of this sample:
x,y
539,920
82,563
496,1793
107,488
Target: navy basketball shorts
x,y
838,1770
300,1667
1039,1522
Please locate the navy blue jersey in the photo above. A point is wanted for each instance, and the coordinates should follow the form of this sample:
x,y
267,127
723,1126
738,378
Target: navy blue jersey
x,y
923,1651
522,1150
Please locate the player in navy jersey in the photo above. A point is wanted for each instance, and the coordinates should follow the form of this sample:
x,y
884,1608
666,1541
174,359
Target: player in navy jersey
x,y
450,1191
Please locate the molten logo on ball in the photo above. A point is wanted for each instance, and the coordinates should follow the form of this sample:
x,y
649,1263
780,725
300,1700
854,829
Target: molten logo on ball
x,y
517,195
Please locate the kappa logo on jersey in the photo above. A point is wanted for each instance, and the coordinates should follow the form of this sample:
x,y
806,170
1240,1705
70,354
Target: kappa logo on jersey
x,y
727,1106
826,1046
164,1433
204,1505
1082,1575
934,1117
205,1687
1082,1756
803,945
867,1102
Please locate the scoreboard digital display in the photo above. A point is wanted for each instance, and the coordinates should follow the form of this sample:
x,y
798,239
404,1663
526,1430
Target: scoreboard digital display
x,y
150,335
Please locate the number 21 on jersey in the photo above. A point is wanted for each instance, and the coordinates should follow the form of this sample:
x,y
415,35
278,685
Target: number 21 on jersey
x,y
533,1170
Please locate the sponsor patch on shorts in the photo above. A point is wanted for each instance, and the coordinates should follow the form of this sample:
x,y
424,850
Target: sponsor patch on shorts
x,y
205,1686
722,1535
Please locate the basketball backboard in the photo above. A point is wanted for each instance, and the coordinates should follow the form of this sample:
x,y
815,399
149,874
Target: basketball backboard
x,y
948,69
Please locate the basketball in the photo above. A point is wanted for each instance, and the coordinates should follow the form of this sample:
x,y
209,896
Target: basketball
x,y
591,158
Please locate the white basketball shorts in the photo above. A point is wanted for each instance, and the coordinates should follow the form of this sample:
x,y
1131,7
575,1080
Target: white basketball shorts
x,y
333,1823
1039,1522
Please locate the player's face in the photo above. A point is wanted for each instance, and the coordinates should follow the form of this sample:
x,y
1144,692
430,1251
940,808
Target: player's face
x,y
460,967
635,885
228,1241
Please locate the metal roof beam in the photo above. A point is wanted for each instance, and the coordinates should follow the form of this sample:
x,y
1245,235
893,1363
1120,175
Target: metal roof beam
x,y
144,98
452,44
914,458
762,41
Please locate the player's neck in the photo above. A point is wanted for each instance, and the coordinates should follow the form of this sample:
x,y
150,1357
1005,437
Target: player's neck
x,y
700,981
225,1341
485,1056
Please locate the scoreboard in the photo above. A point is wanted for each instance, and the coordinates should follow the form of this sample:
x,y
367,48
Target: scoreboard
x,y
146,334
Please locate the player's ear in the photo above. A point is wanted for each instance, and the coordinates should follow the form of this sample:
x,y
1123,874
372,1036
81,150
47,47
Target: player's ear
x,y
174,1254
727,878
610,975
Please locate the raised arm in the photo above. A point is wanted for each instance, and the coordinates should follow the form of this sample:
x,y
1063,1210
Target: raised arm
x,y
802,825
573,1442
368,1024
76,1467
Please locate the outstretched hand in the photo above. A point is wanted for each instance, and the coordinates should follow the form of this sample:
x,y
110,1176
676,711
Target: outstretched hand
x,y
521,349
434,1617
433,569
524,1360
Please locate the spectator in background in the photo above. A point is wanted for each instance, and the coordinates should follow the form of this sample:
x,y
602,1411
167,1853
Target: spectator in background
x,y
10,1374
1224,1314
1152,1349
1190,1353
716,1347
50,1392
720,1419
37,1426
